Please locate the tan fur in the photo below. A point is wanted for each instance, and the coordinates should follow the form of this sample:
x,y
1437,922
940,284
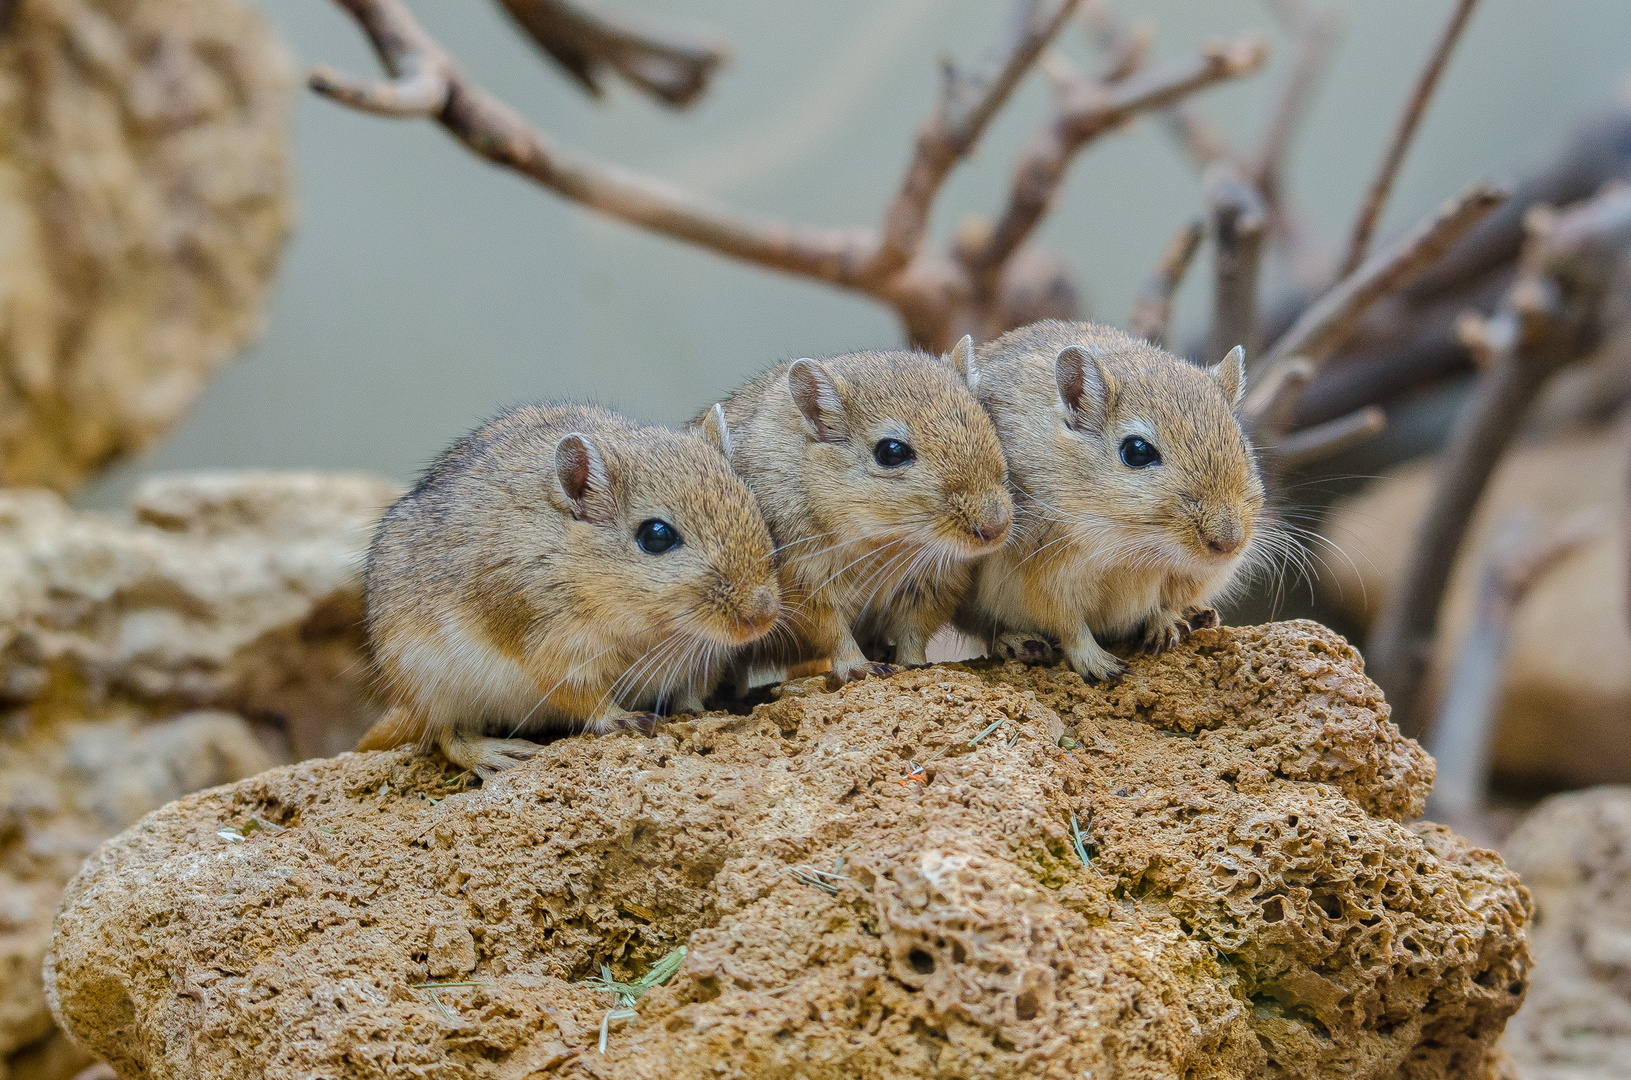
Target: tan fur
x,y
498,604
868,556
1100,551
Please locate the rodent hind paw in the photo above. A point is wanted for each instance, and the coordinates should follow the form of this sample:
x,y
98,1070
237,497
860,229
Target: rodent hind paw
x,y
643,722
1024,647
488,757
1097,666
1200,618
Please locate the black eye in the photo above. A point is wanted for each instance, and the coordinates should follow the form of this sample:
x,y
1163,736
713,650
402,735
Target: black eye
x,y
892,453
656,536
1136,453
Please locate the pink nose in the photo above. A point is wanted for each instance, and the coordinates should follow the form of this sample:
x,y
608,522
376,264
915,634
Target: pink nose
x,y
1223,545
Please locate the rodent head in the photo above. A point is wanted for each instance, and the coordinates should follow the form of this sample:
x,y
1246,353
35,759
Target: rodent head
x,y
901,451
1128,442
674,536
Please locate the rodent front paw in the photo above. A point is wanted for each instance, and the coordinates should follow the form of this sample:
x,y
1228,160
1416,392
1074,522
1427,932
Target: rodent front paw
x,y
856,672
1093,664
1201,618
1161,634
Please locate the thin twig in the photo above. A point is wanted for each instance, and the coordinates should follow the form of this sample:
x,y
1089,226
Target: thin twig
x,y
1409,120
1316,32
1237,219
1520,553
1330,438
671,67
1331,319
1550,317
1086,111
966,108
1151,316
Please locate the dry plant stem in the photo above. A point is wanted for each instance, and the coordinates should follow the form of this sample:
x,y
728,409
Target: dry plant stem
x,y
966,108
1325,440
1152,310
1517,560
1236,221
671,68
1549,318
1085,111
1376,196
1330,320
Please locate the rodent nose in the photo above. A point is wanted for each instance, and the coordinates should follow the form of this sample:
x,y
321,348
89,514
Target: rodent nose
x,y
1223,545
996,516
762,608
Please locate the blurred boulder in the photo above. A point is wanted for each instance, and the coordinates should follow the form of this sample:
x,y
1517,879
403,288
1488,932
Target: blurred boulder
x,y
235,590
145,194
1566,702
1574,854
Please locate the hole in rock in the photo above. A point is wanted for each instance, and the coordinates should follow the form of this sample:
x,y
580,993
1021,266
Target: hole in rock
x,y
1025,1006
921,962
1274,909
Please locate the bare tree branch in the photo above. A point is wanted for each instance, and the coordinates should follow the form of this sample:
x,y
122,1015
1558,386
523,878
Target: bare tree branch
x,y
1328,439
1519,555
1371,209
1152,310
1329,321
1551,316
1236,221
1086,111
501,135
1316,33
420,70
672,68
966,109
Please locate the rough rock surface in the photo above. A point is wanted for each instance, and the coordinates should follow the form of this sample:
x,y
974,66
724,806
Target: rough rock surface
x,y
64,788
145,193
1253,903
1567,685
1574,852
238,591
234,592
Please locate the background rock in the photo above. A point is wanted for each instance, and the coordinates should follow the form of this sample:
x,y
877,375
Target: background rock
x,y
1253,904
1574,852
213,632
145,193
1566,702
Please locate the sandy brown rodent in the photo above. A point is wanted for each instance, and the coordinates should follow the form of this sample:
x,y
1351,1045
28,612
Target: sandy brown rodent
x,y
1136,493
562,567
881,478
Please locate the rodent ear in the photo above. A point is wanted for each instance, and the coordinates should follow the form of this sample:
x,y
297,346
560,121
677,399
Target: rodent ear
x,y
1086,387
962,361
1230,375
714,429
584,479
815,392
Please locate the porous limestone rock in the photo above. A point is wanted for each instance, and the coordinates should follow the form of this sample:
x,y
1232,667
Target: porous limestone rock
x,y
239,591
145,194
1567,681
916,876
64,788
1574,852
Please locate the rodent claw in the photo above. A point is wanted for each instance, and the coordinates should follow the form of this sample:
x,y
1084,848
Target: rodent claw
x,y
643,722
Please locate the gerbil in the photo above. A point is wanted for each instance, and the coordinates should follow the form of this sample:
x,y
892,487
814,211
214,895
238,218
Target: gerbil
x,y
881,478
561,566
1136,493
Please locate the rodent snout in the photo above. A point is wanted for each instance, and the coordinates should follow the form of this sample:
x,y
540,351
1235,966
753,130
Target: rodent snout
x,y
1221,533
761,609
987,519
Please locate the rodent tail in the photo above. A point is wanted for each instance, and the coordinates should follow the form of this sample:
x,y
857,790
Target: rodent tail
x,y
398,727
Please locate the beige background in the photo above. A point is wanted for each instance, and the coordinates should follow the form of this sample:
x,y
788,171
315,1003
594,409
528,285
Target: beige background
x,y
425,289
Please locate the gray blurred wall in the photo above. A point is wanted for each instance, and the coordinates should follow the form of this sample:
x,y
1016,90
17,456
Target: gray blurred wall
x,y
424,289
